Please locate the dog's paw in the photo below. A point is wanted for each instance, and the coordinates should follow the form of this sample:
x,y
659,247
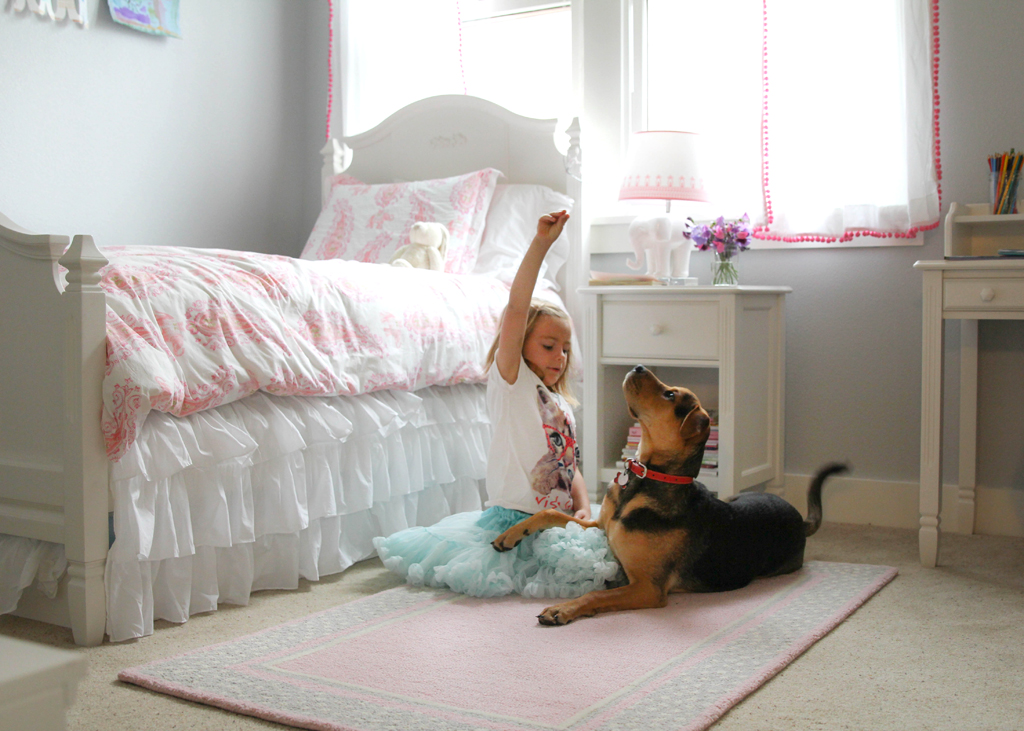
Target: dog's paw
x,y
509,539
555,616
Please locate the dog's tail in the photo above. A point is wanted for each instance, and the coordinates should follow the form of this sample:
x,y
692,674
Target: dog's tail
x,y
813,521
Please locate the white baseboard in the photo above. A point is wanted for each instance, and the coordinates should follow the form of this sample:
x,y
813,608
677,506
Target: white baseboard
x,y
997,512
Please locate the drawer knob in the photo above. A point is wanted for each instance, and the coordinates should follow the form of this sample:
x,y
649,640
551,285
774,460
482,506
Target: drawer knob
x,y
657,329
988,294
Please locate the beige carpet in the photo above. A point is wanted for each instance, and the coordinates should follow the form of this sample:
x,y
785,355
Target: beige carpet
x,y
936,649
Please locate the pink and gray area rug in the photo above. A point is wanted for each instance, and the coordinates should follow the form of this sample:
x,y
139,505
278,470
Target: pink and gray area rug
x,y
431,660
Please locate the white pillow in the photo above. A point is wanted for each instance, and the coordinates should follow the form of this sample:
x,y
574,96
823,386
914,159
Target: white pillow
x,y
511,226
370,222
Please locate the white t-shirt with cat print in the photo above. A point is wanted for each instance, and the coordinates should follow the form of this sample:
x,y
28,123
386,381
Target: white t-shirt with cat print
x,y
533,455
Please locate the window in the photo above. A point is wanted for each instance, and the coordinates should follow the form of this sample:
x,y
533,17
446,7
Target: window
x,y
849,131
707,81
516,53
519,55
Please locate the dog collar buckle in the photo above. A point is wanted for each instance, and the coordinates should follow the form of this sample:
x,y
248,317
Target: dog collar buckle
x,y
641,471
634,466
637,468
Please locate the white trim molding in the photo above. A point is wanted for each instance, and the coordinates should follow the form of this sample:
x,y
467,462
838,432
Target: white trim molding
x,y
892,504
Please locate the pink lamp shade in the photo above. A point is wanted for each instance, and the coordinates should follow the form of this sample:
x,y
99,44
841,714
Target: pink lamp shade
x,y
663,165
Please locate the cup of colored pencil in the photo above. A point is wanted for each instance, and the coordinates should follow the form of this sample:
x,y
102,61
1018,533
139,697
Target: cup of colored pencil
x,y
1004,173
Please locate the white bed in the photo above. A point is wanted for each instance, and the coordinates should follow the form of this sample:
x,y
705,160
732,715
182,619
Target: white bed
x,y
249,494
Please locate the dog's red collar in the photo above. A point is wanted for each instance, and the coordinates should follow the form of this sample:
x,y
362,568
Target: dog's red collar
x,y
641,471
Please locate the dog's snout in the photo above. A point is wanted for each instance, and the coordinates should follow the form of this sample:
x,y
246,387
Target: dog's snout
x,y
639,369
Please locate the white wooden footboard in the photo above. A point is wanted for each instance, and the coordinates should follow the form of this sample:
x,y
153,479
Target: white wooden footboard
x,y
54,473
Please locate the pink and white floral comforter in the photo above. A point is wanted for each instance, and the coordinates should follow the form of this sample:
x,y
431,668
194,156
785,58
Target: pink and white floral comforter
x,y
190,329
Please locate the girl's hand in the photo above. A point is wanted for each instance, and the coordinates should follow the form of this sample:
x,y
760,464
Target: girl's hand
x,y
549,227
580,498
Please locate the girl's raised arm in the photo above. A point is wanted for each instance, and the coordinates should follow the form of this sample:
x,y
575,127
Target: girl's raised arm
x,y
513,325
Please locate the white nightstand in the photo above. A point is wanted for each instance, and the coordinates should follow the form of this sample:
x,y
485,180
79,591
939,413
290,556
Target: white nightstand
x,y
37,685
726,344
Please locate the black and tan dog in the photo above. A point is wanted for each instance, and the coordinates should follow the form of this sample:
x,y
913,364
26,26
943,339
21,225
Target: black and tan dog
x,y
667,530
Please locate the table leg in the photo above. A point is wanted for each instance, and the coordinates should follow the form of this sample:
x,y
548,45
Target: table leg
x,y
968,426
932,336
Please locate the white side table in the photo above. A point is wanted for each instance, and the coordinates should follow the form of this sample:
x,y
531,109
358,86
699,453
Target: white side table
x,y
37,685
726,344
970,283
967,290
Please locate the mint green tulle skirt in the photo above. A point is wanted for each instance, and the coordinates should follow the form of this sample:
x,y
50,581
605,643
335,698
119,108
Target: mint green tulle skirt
x,y
456,554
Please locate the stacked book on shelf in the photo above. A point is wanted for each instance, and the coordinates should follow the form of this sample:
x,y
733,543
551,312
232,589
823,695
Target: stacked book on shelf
x,y
709,467
632,444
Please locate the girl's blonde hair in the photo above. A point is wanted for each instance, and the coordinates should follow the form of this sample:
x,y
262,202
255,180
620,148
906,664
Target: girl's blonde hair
x,y
539,307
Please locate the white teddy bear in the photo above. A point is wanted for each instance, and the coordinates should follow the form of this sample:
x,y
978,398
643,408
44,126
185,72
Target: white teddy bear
x,y
427,247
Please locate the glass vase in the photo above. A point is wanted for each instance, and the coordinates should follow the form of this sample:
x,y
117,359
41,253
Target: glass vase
x,y
723,271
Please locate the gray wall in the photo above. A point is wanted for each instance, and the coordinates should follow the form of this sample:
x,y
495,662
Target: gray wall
x,y
854,319
206,141
853,330
982,87
223,152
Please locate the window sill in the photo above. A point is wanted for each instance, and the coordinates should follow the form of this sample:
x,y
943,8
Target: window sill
x,y
609,235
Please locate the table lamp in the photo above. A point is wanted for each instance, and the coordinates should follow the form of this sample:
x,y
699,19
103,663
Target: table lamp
x,y
663,165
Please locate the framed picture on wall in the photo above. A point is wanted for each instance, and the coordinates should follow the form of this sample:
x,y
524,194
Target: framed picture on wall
x,y
159,17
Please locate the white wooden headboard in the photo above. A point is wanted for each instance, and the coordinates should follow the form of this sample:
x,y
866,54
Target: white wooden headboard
x,y
450,135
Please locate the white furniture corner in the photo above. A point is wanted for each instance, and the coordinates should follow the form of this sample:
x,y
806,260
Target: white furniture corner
x,y
726,344
53,464
37,685
970,284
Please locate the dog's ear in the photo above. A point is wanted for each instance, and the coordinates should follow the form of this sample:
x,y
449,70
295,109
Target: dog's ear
x,y
695,430
696,426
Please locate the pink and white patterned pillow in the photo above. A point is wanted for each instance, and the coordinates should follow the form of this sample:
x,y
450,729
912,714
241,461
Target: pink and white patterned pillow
x,y
370,222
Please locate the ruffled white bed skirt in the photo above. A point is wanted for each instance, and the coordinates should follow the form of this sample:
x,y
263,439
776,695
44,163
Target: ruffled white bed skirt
x,y
262,492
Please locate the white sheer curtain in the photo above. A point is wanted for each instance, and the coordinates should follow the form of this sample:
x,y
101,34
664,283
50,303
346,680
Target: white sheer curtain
x,y
819,114
849,132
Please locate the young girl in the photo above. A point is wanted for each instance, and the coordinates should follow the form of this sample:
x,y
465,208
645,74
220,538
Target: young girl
x,y
533,465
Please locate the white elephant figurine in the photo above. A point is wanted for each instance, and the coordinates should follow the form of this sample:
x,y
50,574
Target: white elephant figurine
x,y
664,240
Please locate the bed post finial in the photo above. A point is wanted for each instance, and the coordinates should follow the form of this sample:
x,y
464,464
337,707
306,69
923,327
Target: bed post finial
x,y
577,268
337,157
83,262
85,460
574,155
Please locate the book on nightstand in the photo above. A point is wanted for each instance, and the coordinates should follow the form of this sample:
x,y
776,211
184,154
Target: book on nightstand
x,y
600,279
632,443
709,466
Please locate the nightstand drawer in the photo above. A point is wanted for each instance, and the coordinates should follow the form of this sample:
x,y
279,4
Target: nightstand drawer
x,y
652,329
983,294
